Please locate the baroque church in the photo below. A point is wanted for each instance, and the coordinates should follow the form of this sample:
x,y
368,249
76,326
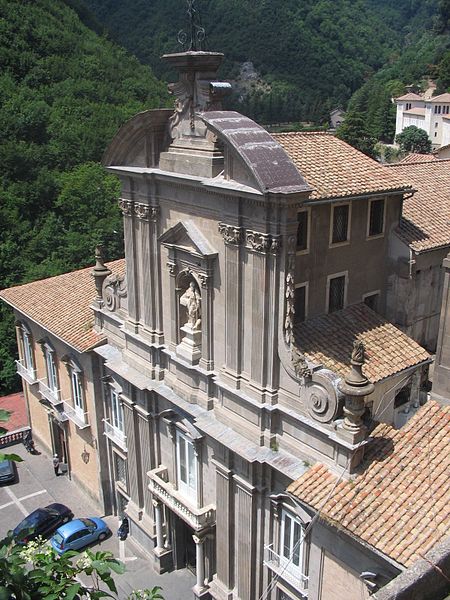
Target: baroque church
x,y
234,379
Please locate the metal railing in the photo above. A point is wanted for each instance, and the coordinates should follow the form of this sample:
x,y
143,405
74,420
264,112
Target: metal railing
x,y
53,396
115,435
28,374
198,518
286,570
81,419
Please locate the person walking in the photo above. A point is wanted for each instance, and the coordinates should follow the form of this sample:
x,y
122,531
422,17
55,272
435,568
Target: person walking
x,y
56,464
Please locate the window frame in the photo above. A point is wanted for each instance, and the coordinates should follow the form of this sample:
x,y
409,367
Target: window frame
x,y
302,251
375,236
345,242
77,389
119,457
27,350
50,368
288,561
116,410
305,285
190,459
329,278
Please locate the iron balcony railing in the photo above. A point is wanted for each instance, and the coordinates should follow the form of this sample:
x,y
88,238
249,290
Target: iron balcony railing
x,y
115,435
81,419
53,396
286,570
28,374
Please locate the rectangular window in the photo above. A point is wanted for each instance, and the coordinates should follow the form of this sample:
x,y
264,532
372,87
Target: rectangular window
x,y
50,365
291,546
336,293
376,217
27,352
340,223
186,467
120,469
302,230
77,391
300,303
116,411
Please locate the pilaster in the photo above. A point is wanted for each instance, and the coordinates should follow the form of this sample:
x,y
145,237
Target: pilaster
x,y
147,452
245,538
126,207
135,483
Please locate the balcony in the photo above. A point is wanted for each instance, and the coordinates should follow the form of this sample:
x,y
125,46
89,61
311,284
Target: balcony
x,y
115,435
28,374
49,394
81,419
197,518
286,570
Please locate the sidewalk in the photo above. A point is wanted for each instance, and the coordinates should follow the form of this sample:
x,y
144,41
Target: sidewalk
x,y
37,486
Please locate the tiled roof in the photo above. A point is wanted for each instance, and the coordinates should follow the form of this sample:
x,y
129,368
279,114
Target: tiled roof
x,y
334,169
61,305
441,98
415,111
399,502
328,339
410,96
425,223
415,157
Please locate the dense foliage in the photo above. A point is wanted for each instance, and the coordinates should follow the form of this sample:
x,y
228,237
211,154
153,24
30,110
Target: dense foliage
x,y
312,54
413,139
64,93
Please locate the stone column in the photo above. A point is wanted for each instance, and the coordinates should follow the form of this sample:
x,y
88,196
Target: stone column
x,y
159,526
147,452
232,236
206,361
244,547
414,396
133,461
199,587
127,207
224,516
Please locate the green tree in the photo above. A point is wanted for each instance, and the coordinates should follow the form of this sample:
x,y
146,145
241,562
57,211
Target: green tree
x,y
354,131
413,139
36,572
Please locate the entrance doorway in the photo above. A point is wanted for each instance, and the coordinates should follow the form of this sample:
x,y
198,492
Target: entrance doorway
x,y
59,443
184,546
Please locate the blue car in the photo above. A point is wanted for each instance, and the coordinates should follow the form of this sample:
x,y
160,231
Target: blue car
x,y
79,533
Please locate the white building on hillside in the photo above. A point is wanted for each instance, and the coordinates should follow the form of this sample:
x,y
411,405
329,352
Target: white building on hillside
x,y
432,115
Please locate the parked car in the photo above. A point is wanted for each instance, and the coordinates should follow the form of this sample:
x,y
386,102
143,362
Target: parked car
x,y
42,521
7,471
79,533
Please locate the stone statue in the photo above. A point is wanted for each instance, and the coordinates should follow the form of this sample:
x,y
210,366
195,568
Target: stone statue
x,y
358,353
191,299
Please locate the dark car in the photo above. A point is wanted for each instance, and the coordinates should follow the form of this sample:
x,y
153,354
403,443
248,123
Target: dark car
x,y
42,521
7,471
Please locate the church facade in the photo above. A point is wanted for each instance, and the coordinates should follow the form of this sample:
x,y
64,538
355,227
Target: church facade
x,y
231,354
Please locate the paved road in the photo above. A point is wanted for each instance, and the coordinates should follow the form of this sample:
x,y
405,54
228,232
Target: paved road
x,y
37,486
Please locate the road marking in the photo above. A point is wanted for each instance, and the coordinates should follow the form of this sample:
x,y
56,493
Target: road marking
x,y
17,502
22,498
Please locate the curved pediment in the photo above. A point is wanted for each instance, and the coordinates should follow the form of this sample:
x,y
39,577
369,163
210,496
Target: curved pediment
x,y
264,159
140,141
187,237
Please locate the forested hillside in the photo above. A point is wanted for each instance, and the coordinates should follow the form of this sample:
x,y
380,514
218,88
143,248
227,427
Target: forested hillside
x,y
64,93
312,55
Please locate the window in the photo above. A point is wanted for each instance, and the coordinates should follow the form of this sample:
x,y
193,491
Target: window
x,y
300,302
302,230
120,469
52,378
435,134
435,110
436,124
186,466
376,217
291,541
27,350
336,293
116,411
371,300
340,221
77,390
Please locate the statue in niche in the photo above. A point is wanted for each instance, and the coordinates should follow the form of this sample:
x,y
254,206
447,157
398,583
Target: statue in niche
x,y
191,299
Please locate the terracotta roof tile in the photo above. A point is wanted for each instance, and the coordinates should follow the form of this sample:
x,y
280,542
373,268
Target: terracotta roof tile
x,y
415,157
410,96
441,98
328,339
425,223
403,509
334,169
66,310
415,111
